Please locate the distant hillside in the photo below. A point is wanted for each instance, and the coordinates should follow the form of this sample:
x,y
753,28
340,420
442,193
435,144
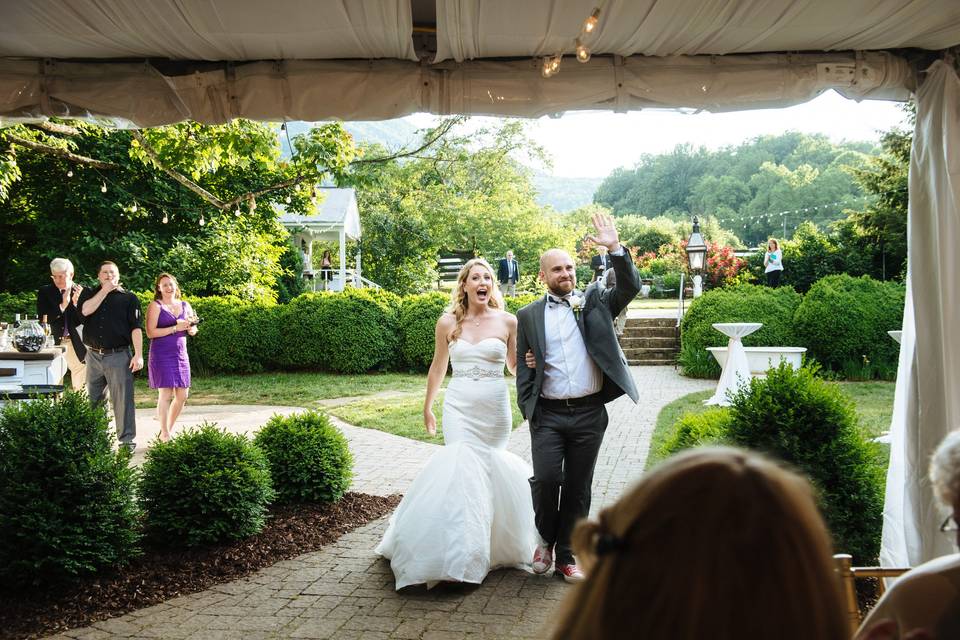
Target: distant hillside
x,y
393,134
565,194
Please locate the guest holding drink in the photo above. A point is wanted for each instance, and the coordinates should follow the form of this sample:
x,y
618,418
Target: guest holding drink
x,y
169,320
773,263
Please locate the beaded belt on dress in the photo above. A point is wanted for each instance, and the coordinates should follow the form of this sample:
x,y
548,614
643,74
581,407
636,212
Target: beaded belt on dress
x,y
477,373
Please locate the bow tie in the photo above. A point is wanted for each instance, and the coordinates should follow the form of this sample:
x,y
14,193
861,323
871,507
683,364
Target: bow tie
x,y
555,300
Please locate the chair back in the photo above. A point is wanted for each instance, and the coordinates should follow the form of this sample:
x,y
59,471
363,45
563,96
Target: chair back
x,y
848,577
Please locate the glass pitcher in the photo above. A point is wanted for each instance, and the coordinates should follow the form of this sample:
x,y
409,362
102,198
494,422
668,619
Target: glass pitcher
x,y
29,337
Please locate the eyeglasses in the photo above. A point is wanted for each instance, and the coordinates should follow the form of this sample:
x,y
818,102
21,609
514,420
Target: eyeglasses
x,y
950,525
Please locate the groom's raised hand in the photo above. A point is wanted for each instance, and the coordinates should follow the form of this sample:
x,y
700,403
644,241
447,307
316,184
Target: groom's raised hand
x,y
606,232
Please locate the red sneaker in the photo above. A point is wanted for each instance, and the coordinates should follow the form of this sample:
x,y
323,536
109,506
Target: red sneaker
x,y
542,559
570,572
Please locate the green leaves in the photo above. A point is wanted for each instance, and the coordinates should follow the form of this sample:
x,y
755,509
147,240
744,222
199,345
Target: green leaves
x,y
309,458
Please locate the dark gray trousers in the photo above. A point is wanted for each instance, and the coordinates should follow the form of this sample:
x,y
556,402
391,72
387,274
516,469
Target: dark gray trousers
x,y
564,447
112,371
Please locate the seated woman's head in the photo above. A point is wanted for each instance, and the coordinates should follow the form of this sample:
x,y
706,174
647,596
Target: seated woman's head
x,y
713,543
945,476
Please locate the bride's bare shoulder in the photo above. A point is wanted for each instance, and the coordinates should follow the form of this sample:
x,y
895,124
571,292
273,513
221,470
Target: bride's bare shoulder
x,y
508,318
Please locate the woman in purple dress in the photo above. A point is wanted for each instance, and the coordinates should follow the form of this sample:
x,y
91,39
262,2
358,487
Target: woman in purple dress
x,y
169,321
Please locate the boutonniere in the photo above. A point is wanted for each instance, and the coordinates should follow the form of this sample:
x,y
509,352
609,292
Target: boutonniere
x,y
576,303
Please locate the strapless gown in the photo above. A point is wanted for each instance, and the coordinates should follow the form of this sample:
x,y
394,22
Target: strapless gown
x,y
469,511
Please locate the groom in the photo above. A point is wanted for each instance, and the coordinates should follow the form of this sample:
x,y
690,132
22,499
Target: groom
x,y
574,366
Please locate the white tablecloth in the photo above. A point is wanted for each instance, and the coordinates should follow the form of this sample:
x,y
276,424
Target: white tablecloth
x,y
737,370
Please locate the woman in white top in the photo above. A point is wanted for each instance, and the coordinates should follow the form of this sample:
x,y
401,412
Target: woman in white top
x,y
773,261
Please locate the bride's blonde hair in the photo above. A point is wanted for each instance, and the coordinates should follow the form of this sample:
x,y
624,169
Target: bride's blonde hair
x,y
458,298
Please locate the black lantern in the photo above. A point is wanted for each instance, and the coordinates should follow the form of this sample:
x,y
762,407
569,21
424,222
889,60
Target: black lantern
x,y
696,248
696,256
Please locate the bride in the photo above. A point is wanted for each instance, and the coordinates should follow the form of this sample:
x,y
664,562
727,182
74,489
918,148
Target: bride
x,y
469,510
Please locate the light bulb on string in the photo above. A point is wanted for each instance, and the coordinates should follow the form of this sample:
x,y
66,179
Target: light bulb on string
x,y
202,221
133,208
591,22
545,70
253,205
555,63
166,219
583,53
287,199
236,211
103,187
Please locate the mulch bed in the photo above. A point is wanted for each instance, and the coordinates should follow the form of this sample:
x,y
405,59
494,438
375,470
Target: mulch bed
x,y
161,574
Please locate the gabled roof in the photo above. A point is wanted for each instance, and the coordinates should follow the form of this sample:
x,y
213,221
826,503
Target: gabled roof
x,y
337,211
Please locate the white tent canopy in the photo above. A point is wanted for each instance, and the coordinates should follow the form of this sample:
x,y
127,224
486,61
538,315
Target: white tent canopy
x,y
337,218
163,61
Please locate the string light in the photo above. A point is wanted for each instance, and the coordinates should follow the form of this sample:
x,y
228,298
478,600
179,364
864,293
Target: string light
x,y
253,205
133,209
165,218
202,221
591,23
287,199
236,211
583,53
103,187
70,173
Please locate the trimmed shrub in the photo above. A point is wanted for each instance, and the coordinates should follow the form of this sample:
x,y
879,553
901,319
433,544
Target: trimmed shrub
x,y
67,504
843,322
515,303
205,486
309,458
235,336
359,332
418,321
796,417
742,303
696,429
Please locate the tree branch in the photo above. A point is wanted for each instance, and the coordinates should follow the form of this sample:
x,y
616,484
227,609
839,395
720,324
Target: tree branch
x,y
176,175
441,131
55,127
56,151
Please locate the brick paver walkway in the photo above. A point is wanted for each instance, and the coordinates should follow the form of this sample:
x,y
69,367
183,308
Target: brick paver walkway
x,y
344,591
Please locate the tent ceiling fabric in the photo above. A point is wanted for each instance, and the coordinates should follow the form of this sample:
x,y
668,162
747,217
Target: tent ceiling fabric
x,y
354,60
235,30
471,29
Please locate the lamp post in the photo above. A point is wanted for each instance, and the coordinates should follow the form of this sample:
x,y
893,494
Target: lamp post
x,y
696,256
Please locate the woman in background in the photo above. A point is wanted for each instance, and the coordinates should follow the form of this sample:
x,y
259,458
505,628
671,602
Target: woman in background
x,y
715,543
169,321
326,268
773,263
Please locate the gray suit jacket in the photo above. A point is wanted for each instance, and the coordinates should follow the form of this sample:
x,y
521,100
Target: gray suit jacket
x,y
596,325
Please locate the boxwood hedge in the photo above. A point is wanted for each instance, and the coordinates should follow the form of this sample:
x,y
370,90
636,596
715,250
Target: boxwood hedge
x,y
775,308
843,322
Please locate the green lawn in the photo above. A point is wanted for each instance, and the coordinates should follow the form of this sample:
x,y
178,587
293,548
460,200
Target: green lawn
x,y
403,416
874,402
289,389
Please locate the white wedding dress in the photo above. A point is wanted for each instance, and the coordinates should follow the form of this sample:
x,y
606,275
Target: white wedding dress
x,y
469,510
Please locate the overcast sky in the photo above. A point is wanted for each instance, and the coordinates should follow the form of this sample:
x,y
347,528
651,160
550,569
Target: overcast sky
x,y
592,144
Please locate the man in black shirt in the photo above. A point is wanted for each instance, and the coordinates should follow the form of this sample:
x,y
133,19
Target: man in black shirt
x,y
113,323
58,302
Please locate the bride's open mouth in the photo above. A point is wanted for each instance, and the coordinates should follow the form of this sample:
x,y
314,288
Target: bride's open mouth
x,y
483,294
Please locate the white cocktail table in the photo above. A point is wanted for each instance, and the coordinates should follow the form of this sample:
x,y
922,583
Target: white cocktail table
x,y
736,371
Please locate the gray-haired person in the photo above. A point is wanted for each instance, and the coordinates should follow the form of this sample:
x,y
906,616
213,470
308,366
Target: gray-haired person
x,y
925,601
58,302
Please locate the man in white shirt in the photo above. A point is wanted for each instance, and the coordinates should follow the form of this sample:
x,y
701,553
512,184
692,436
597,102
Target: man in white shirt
x,y
508,273
575,366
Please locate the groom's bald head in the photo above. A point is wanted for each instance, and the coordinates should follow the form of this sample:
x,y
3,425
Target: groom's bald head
x,y
558,271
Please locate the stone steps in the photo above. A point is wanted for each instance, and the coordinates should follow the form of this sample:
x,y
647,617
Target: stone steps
x,y
650,341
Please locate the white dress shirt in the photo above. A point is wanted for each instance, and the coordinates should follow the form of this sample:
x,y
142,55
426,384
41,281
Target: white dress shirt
x,y
568,370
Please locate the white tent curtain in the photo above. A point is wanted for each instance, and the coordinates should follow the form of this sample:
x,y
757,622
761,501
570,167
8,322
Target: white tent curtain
x,y
927,400
377,89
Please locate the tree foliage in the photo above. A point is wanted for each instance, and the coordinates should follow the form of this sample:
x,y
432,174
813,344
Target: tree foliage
x,y
745,187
